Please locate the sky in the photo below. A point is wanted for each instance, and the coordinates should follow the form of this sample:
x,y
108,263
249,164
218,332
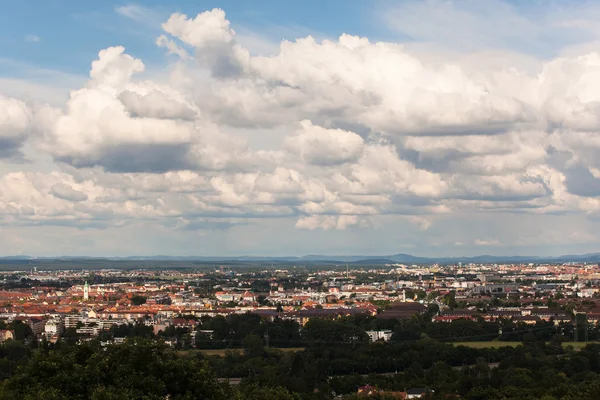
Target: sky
x,y
225,128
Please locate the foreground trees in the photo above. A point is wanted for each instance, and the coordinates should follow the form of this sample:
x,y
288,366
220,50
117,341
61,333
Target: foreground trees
x,y
146,369
138,370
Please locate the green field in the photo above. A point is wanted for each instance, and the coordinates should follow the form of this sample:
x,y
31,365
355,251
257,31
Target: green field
x,y
497,343
222,352
483,345
475,345
578,345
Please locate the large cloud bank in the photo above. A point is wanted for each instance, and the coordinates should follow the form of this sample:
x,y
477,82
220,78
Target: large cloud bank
x,y
359,129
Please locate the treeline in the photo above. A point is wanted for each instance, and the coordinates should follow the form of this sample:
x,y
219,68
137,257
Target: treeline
x,y
27,283
139,369
334,358
359,359
229,331
223,332
533,371
147,369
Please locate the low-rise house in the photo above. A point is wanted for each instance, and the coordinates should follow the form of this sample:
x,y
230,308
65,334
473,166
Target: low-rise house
x,y
449,316
402,310
552,315
248,297
527,319
493,315
160,327
184,323
417,393
225,297
368,391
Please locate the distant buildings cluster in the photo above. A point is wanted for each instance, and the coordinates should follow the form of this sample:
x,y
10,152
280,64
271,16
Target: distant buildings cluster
x,y
54,304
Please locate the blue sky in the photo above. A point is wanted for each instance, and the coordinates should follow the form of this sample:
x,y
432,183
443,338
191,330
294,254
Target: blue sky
x,y
71,33
459,128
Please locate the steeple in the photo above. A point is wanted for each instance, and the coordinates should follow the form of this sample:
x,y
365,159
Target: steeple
x,y
86,291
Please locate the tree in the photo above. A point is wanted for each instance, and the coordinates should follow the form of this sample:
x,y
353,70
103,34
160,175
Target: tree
x,y
433,309
138,300
21,329
322,330
132,330
450,299
253,345
135,370
203,340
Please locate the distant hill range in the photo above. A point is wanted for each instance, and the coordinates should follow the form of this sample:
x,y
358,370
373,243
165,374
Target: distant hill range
x,y
316,259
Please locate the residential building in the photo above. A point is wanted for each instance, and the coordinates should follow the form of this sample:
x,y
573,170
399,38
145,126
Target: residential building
x,y
53,327
384,335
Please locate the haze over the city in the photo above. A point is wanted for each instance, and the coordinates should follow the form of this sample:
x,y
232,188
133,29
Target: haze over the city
x,y
434,128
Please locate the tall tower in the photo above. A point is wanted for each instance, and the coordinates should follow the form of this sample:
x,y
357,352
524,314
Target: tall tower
x,y
86,291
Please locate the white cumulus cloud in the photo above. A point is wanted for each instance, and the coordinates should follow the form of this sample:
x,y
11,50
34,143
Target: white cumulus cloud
x,y
325,135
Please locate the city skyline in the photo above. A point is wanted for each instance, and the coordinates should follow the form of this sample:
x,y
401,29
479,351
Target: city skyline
x,y
228,128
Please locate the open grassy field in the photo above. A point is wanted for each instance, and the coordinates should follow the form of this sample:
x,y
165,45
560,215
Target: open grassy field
x,y
495,344
484,345
221,352
578,345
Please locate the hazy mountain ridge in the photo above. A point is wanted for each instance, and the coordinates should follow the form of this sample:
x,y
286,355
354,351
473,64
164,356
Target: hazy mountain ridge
x,y
357,259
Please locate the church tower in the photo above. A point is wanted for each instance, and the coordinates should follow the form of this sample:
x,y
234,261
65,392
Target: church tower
x,y
86,291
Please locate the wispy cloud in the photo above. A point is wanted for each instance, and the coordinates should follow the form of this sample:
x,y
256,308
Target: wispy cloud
x,y
32,38
498,24
30,82
257,44
19,68
150,17
422,223
489,242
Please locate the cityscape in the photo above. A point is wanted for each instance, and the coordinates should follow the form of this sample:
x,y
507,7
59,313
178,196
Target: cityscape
x,y
248,310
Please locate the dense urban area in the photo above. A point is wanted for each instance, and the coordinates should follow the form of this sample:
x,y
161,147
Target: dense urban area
x,y
472,331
